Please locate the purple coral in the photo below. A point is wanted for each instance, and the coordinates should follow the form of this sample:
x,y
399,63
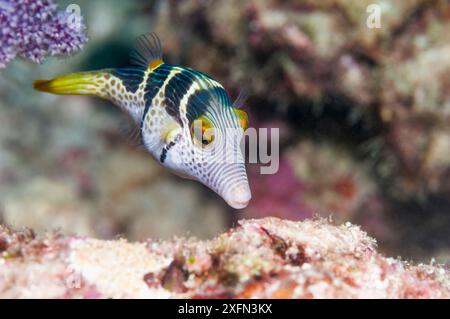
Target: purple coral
x,y
35,28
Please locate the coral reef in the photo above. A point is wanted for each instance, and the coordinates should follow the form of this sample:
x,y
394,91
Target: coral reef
x,y
261,258
363,117
35,28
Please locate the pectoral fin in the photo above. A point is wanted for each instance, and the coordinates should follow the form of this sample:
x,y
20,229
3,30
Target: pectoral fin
x,y
171,132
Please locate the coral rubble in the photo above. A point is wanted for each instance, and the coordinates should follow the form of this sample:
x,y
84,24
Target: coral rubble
x,y
261,258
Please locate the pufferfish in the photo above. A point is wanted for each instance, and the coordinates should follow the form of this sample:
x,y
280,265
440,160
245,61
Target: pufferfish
x,y
186,119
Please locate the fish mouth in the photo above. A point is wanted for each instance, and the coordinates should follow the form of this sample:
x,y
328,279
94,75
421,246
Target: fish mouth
x,y
238,205
239,197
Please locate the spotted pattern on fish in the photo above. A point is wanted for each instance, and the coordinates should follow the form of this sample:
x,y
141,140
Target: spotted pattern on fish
x,y
154,97
165,100
155,81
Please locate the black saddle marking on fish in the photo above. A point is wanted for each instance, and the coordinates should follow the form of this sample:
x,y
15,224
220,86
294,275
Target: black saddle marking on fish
x,y
200,100
176,89
154,83
163,156
130,77
216,91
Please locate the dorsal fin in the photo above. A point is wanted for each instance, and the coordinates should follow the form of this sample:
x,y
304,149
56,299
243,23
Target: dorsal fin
x,y
147,52
240,100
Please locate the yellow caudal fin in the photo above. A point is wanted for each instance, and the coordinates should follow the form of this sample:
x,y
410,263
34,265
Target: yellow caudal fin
x,y
83,83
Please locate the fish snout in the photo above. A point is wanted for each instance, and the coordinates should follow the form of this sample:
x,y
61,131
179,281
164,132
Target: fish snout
x,y
238,197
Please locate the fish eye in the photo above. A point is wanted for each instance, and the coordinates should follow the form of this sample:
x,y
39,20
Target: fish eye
x,y
202,132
